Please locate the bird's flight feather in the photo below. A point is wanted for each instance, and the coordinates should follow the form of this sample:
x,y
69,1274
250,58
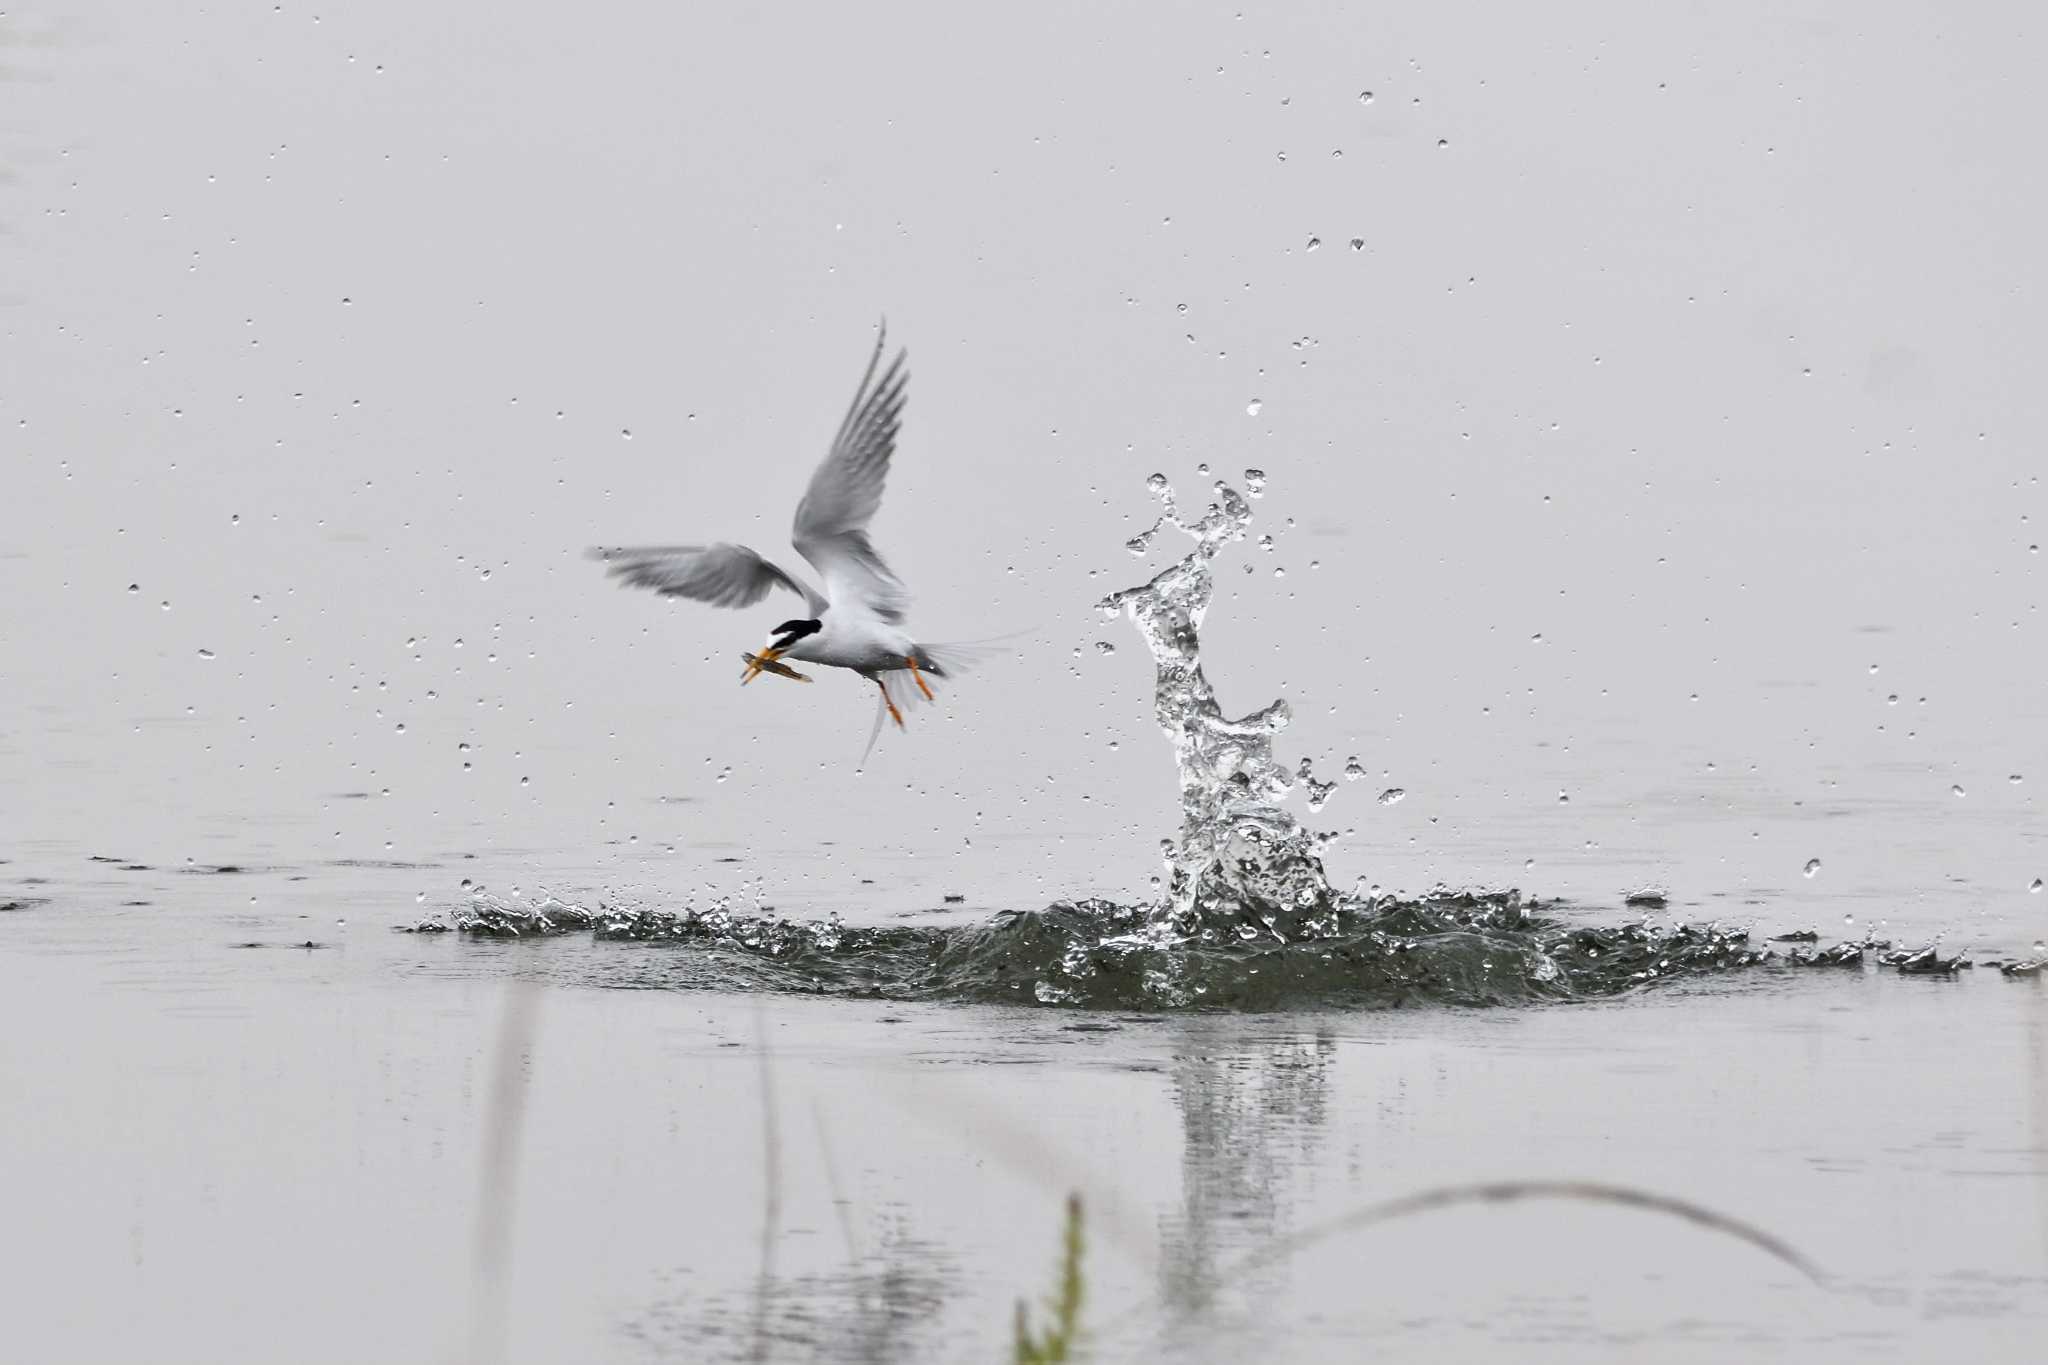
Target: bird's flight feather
x,y
830,529
831,522
723,575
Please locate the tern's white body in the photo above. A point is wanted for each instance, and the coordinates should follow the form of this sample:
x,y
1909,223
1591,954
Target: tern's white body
x,y
856,619
852,640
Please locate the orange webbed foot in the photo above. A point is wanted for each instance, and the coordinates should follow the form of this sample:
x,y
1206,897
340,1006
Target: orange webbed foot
x,y
894,714
917,676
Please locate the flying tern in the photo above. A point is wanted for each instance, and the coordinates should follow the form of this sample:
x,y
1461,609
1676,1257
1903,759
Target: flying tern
x,y
857,621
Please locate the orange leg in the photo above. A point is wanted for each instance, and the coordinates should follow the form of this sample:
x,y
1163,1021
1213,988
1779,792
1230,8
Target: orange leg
x,y
894,714
918,678
754,669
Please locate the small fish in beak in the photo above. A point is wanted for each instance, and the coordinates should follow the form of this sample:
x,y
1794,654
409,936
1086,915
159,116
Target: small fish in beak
x,y
764,662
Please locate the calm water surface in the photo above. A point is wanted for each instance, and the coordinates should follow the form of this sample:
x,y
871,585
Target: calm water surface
x,y
224,1145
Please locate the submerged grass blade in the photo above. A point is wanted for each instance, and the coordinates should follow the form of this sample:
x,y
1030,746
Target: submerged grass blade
x,y
771,1188
1513,1191
1057,1341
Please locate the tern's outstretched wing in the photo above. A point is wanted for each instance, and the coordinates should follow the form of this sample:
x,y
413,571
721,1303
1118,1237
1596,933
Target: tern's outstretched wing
x,y
723,575
832,520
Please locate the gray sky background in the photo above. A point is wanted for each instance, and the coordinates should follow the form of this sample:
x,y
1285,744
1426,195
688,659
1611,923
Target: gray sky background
x,y
1704,344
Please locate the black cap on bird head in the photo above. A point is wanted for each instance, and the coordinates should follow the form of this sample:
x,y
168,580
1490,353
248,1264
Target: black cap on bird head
x,y
789,632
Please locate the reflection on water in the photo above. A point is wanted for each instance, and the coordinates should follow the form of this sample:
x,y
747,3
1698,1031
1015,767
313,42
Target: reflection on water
x,y
1252,1111
1252,1107
1225,1138
881,1307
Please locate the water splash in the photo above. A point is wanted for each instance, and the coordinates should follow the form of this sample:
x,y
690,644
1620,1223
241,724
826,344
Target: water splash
x,y
1242,868
1446,947
1246,917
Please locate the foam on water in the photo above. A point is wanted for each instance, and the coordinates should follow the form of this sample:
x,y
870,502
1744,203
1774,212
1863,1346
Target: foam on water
x,y
1246,917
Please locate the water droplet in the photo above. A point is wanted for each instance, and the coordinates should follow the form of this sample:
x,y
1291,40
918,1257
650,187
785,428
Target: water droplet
x,y
1353,770
1564,796
2015,779
1955,791
135,587
624,434
1156,482
1812,866
1393,796
1104,647
1442,143
2035,886
1255,481
1314,242
1365,97
1358,243
1251,409
206,654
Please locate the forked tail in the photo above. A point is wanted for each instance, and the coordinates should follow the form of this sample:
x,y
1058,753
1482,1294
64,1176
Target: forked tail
x,y
944,661
935,663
